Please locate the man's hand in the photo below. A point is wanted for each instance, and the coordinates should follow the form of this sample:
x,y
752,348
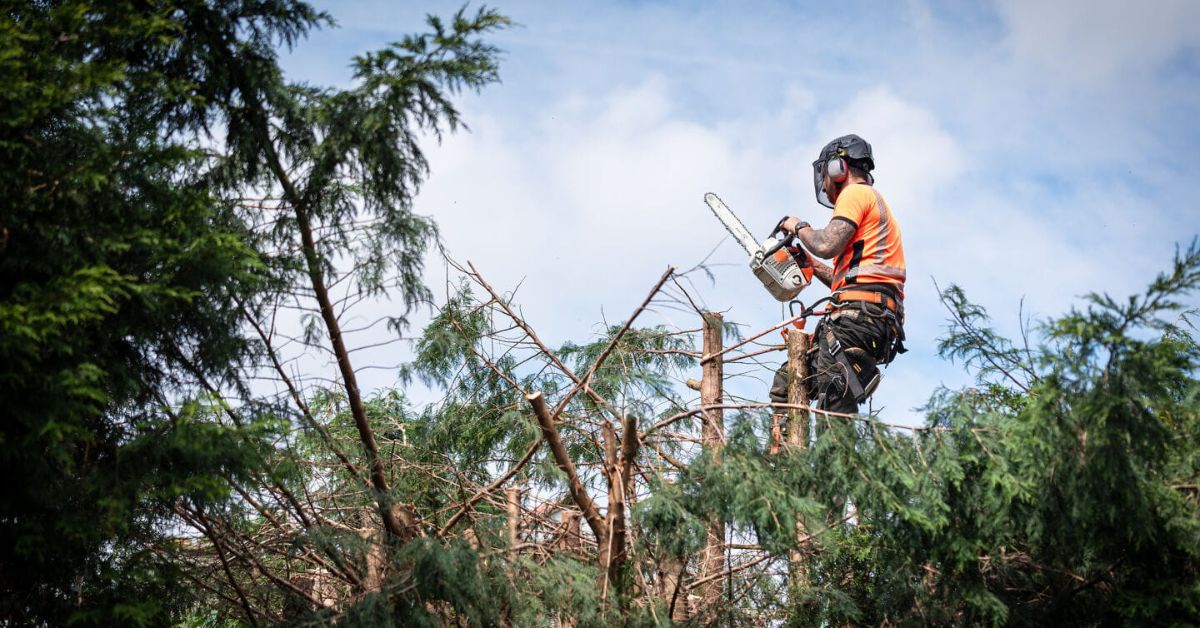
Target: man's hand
x,y
791,224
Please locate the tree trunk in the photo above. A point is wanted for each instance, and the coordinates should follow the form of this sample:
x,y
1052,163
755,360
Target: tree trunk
x,y
391,522
587,506
570,542
671,591
373,575
713,436
296,198
798,343
513,501
619,457
797,438
571,530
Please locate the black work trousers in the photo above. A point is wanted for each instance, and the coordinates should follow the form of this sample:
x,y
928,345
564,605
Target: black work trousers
x,y
866,333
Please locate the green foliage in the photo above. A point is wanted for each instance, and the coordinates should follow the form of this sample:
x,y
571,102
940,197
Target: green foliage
x,y
1062,489
447,343
485,417
562,587
998,363
638,370
1067,505
666,522
347,162
454,575
206,618
120,274
128,258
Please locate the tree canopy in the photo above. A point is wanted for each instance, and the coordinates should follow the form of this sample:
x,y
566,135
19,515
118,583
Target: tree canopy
x,y
120,270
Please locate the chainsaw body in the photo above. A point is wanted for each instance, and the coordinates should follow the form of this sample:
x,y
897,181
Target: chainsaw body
x,y
778,271
771,262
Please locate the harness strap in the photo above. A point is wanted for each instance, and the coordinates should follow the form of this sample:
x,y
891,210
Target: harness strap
x,y
839,354
870,296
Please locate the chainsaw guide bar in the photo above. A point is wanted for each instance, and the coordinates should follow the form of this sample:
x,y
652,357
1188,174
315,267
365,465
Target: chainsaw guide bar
x,y
774,265
732,224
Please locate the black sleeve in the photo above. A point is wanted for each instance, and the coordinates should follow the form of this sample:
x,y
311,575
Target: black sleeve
x,y
852,223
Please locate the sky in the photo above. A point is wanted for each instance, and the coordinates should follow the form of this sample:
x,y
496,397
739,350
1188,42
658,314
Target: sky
x,y
1032,152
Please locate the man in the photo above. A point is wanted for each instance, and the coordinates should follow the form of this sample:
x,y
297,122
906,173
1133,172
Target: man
x,y
864,327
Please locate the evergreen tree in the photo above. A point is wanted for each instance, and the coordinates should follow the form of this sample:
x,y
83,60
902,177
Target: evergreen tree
x,y
120,268
1060,490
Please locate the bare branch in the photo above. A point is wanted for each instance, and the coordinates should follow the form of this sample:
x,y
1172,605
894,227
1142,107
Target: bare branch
x,y
591,513
537,444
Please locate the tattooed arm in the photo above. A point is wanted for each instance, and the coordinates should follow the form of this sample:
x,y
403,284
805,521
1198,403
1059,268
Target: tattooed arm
x,y
829,242
825,243
822,272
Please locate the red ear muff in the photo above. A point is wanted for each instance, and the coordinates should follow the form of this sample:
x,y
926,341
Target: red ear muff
x,y
837,170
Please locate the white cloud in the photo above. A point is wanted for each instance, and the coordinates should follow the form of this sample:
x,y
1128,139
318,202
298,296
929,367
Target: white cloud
x,y
590,204
915,156
593,198
996,140
1092,41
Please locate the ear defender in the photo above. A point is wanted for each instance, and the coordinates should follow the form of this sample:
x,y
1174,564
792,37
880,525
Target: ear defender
x,y
837,170
832,162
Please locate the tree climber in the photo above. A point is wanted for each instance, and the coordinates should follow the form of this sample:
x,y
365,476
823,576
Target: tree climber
x,y
864,326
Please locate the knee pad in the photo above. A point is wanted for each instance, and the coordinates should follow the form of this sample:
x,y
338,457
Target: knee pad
x,y
779,386
865,369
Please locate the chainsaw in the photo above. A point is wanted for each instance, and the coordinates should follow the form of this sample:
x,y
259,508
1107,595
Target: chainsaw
x,y
783,270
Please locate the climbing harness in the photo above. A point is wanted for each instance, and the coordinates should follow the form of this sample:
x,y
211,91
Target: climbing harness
x,y
853,361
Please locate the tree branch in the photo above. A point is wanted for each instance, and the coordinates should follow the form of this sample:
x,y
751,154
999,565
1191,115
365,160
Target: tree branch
x,y
537,444
612,344
591,513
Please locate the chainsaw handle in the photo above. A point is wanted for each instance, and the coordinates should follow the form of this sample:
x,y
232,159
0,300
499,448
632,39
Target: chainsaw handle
x,y
778,227
787,238
784,241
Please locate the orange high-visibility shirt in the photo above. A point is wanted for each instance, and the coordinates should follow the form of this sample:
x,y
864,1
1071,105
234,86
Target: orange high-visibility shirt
x,y
875,253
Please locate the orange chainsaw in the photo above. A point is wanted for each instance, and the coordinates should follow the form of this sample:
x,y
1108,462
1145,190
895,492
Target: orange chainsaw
x,y
783,270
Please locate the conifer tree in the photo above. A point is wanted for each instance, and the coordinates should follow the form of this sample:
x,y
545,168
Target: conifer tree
x,y
1061,489
328,177
120,268
131,258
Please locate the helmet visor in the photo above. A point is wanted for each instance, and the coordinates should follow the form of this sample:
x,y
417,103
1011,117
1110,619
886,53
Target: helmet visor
x,y
819,183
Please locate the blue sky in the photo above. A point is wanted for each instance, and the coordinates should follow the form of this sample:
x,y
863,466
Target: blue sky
x,y
1030,150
